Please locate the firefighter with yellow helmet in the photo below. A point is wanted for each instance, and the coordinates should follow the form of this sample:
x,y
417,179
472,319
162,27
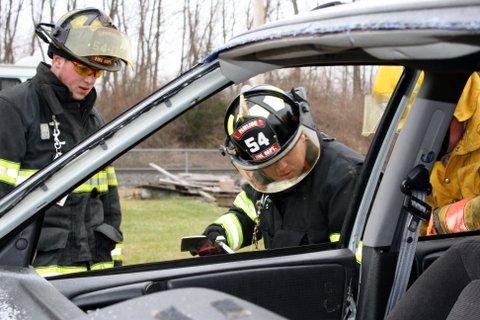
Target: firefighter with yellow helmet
x,y
300,181
46,117
455,175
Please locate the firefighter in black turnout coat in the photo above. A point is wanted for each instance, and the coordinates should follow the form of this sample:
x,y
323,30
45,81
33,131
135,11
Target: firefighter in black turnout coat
x,y
47,116
300,181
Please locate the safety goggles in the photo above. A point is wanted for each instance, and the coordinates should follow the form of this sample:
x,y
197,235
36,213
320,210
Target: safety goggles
x,y
85,71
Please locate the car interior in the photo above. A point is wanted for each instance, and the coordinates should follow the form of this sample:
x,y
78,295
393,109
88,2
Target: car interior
x,y
325,281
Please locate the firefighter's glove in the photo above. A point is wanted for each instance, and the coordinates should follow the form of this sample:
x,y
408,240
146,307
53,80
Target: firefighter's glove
x,y
210,247
460,216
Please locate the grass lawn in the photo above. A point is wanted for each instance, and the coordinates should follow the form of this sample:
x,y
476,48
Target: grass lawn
x,y
153,228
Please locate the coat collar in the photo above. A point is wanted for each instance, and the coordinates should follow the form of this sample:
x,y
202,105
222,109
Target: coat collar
x,y
56,94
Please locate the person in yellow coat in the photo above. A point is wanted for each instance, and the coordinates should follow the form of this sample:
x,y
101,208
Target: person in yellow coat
x,y
385,82
455,176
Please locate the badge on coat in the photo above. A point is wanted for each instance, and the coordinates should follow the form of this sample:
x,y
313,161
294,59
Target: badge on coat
x,y
44,131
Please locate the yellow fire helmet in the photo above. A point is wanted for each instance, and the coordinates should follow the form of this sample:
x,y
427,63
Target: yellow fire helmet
x,y
89,36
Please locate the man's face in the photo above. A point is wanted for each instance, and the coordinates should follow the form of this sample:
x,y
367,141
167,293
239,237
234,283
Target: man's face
x,y
78,84
292,164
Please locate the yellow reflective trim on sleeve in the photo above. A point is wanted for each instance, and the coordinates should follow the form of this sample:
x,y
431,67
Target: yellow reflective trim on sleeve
x,y
111,176
97,181
9,171
102,265
233,229
358,252
10,164
334,237
24,174
50,271
242,201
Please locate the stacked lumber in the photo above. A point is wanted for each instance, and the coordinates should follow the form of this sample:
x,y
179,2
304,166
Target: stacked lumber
x,y
221,189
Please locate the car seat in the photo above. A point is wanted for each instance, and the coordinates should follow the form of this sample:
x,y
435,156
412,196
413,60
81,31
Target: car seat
x,y
448,289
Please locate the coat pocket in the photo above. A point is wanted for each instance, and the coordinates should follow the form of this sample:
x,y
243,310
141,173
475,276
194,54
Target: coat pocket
x,y
469,180
52,239
109,231
287,238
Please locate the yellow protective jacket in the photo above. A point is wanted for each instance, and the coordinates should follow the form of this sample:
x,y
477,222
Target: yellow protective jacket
x,y
457,176
385,82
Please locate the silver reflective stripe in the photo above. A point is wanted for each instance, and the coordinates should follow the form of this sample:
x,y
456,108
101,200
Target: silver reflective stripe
x,y
24,175
111,176
10,174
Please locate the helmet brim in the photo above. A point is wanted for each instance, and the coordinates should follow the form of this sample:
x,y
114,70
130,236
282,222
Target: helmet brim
x,y
87,42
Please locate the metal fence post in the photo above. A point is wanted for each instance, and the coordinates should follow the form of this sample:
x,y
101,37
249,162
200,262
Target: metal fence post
x,y
186,162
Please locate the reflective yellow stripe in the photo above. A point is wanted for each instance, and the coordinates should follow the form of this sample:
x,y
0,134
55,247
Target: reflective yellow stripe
x,y
9,171
101,180
334,237
24,174
243,202
102,265
50,271
230,124
97,181
233,228
111,177
358,252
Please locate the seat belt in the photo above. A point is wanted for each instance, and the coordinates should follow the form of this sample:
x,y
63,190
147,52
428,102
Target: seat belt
x,y
415,187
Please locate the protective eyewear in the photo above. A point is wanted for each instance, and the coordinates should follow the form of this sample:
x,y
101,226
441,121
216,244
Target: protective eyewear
x,y
85,71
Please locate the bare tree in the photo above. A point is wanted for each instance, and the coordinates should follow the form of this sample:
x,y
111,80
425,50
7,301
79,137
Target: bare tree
x,y
199,30
37,16
295,6
259,12
52,4
71,4
184,35
11,14
202,25
157,38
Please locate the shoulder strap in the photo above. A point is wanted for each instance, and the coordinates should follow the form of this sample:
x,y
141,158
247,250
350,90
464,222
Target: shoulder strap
x,y
415,187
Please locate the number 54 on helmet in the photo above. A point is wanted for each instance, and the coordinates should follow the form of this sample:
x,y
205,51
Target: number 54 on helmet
x,y
271,139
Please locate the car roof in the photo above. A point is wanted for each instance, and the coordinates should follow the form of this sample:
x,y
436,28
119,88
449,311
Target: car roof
x,y
398,32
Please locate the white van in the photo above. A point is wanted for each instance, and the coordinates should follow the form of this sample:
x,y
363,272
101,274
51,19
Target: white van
x,y
11,74
22,70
